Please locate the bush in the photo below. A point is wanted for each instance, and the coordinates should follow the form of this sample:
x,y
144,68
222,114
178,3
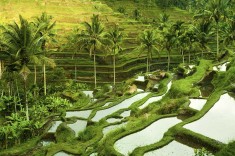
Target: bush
x,y
171,106
87,134
64,133
228,150
56,104
122,10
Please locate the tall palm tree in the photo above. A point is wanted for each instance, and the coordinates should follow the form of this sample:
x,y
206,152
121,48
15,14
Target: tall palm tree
x,y
229,32
116,38
179,30
190,41
168,42
73,43
163,21
44,22
203,34
22,44
149,42
216,10
92,38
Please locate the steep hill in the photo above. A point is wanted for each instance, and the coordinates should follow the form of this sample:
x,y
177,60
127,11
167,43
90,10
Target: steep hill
x,y
70,14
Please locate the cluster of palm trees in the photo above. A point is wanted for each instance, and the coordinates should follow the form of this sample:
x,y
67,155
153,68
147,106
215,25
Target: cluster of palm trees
x,y
94,39
179,37
24,44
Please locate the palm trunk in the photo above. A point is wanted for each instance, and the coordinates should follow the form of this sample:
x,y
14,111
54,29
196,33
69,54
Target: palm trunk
x,y
6,141
114,70
44,79
95,68
147,67
17,89
0,69
148,62
168,62
26,102
182,53
35,75
189,57
217,39
75,73
35,79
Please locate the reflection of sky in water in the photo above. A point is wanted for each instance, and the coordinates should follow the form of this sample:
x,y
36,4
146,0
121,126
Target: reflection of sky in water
x,y
124,104
78,126
172,149
155,99
147,136
81,114
197,103
218,123
113,127
54,126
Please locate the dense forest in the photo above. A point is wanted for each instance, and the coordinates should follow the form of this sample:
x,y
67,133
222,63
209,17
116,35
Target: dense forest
x,y
70,70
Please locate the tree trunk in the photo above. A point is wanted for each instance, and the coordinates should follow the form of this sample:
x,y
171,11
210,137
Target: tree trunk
x,y
189,57
114,70
0,69
147,66
17,89
44,79
26,102
95,68
6,141
182,53
168,62
35,75
217,39
75,73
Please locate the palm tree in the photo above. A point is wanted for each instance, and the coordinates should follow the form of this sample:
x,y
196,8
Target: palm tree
x,y
92,38
168,42
44,22
215,10
190,41
149,42
229,32
179,30
73,43
203,34
22,45
115,37
163,21
5,131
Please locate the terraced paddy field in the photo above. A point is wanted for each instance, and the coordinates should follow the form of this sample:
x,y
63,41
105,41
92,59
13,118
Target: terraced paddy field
x,y
71,14
144,123
185,111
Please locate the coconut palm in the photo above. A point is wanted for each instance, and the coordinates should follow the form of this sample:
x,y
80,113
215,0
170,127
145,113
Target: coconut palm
x,y
149,42
190,40
168,41
163,21
92,38
73,43
229,32
216,10
23,45
179,30
45,25
116,38
203,34
5,131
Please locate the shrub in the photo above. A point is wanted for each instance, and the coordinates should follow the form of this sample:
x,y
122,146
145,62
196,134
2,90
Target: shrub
x,y
64,133
121,9
56,104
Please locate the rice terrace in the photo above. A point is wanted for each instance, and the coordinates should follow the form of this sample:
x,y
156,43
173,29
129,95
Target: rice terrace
x,y
117,78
